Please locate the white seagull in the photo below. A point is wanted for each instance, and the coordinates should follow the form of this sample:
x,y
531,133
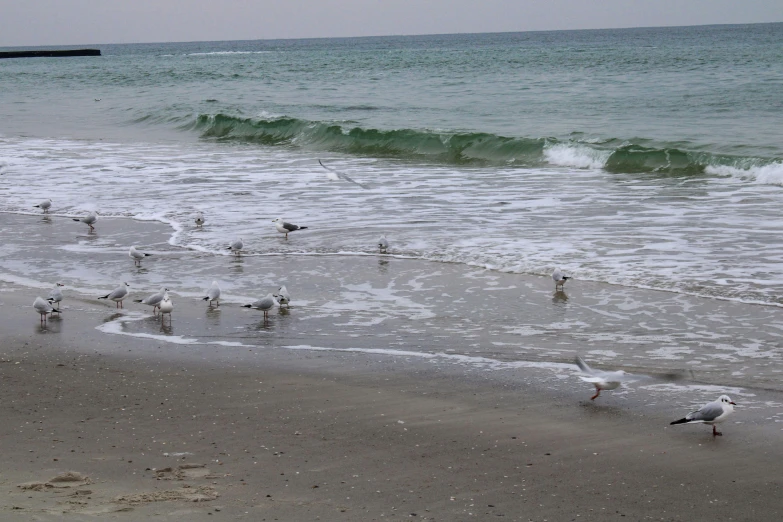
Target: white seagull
x,y
137,256
213,294
89,219
611,380
153,300
383,244
282,296
335,175
559,278
264,304
285,228
44,205
236,246
166,306
711,413
118,294
199,220
56,295
43,308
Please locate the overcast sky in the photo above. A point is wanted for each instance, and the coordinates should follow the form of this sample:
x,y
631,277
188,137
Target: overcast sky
x,y
77,22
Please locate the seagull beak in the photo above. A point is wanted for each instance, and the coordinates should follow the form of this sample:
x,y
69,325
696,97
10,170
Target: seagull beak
x,y
732,402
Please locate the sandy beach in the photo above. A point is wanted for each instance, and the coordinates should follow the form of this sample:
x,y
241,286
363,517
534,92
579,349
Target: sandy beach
x,y
168,431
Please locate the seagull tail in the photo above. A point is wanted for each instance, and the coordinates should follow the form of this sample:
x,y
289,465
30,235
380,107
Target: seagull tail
x,y
566,278
147,255
205,298
247,306
56,310
76,219
302,228
137,300
681,421
105,296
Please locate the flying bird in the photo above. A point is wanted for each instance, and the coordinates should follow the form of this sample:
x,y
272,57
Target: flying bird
x,y
213,294
285,228
43,308
44,205
118,294
89,219
264,304
559,278
335,175
137,256
611,380
711,413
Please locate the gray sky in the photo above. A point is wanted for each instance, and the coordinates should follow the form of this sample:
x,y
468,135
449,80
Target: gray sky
x,y
79,22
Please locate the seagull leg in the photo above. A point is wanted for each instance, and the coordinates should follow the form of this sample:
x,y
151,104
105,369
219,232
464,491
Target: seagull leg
x,y
597,393
715,432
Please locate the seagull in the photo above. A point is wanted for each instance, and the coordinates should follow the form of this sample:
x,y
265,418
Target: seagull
x,y
334,175
43,308
236,246
264,304
711,413
282,296
285,228
611,380
137,256
153,300
44,205
559,278
199,220
56,295
118,294
383,244
89,219
166,306
213,294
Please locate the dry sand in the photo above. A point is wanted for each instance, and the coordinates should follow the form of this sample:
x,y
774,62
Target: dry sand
x,y
148,430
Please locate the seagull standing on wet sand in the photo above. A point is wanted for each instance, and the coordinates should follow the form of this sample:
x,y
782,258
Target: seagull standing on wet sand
x,y
154,300
137,256
282,296
236,246
166,306
43,308
559,278
44,205
213,294
118,294
56,295
383,244
89,219
285,228
711,413
264,304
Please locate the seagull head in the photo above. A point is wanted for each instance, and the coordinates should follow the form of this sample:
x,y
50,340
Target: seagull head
x,y
725,399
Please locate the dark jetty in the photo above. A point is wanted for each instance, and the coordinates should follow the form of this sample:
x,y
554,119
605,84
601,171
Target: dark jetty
x,y
50,54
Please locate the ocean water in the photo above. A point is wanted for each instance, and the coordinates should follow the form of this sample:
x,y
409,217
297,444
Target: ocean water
x,y
638,158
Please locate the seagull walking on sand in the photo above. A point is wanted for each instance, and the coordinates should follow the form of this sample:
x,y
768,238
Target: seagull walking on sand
x,y
56,295
711,413
166,306
89,219
137,256
154,300
118,294
44,205
559,278
199,220
285,228
383,244
43,308
236,246
264,304
282,296
213,294
611,380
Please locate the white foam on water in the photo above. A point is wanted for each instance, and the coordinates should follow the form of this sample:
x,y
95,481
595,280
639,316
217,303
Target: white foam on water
x,y
577,156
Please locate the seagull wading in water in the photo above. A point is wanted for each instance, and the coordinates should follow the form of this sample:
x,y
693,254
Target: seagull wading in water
x,y
199,220
213,294
285,228
264,304
44,205
118,294
282,296
89,219
154,300
559,278
166,307
137,256
711,413
236,246
383,244
43,308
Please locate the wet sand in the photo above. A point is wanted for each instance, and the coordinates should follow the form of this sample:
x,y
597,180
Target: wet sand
x,y
184,432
